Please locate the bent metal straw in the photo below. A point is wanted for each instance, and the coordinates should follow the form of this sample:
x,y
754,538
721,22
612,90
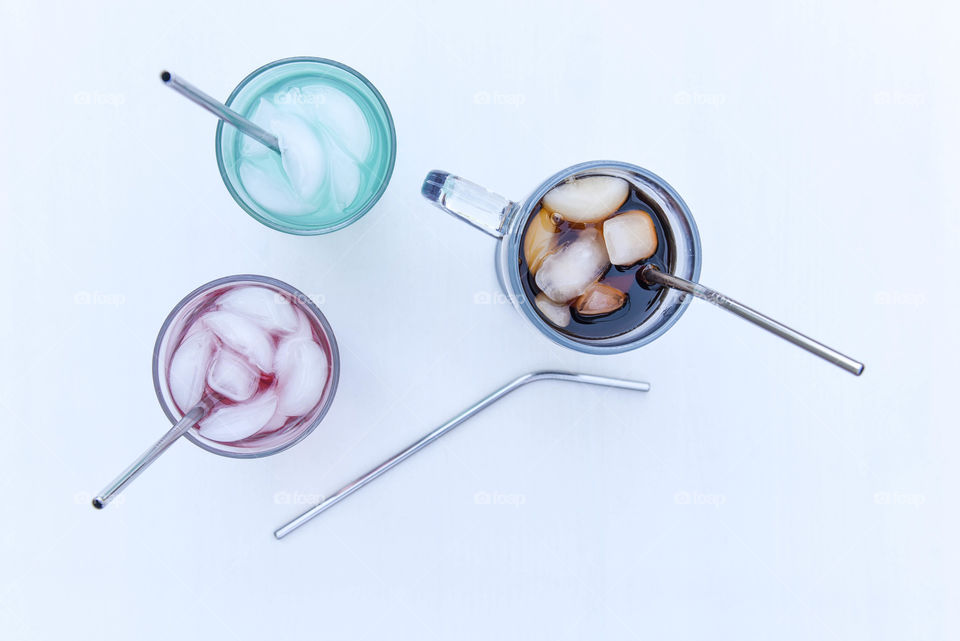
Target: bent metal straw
x,y
471,411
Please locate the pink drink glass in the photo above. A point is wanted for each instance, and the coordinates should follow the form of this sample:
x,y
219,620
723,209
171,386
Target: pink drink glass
x,y
266,442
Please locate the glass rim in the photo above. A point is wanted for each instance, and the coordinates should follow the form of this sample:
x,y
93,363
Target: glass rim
x,y
303,300
512,242
374,199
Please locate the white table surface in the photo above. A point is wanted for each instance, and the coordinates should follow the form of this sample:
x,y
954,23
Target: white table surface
x,y
755,492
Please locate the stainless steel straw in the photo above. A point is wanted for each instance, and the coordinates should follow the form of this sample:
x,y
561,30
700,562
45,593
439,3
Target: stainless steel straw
x,y
189,420
474,409
220,110
652,275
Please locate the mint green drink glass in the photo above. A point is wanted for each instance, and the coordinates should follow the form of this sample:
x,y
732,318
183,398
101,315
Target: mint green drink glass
x,y
280,82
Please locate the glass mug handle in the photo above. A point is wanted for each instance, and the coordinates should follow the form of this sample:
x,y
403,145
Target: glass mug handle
x,y
476,205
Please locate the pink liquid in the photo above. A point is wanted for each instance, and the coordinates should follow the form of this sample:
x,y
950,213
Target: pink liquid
x,y
257,356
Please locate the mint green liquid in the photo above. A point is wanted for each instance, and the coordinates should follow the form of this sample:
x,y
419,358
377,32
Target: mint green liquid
x,y
338,146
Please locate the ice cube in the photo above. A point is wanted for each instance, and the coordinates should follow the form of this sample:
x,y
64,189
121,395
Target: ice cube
x,y
340,115
272,192
188,368
304,326
566,273
243,336
301,151
540,239
630,237
277,421
598,299
231,423
263,114
232,376
269,308
587,200
301,370
557,314
345,177
302,154
290,100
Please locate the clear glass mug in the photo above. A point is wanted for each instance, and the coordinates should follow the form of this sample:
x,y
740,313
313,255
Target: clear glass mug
x,y
506,221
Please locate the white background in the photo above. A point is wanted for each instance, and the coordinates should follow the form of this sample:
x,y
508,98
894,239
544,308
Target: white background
x,y
755,492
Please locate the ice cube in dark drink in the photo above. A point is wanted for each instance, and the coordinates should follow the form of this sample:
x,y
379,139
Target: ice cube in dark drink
x,y
583,247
